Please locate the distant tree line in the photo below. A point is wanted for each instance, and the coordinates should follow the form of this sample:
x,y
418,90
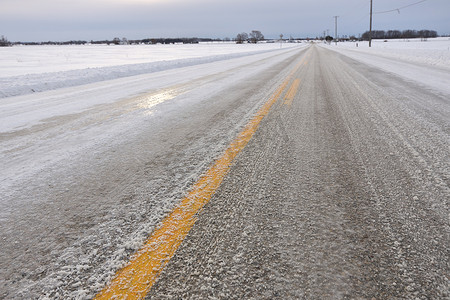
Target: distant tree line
x,y
51,43
174,40
4,42
122,41
254,37
397,34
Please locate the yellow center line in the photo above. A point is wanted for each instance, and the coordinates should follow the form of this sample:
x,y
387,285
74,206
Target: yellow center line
x,y
135,280
289,97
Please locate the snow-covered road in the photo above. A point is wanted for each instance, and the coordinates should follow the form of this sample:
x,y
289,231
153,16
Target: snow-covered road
x,y
342,193
88,171
348,175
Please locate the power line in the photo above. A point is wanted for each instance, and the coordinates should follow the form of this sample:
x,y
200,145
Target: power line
x,y
363,17
398,9
375,13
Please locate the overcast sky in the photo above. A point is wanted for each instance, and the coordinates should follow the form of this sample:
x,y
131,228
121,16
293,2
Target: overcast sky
x,y
62,20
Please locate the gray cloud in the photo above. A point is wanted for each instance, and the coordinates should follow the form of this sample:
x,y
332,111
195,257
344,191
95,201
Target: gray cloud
x,y
35,20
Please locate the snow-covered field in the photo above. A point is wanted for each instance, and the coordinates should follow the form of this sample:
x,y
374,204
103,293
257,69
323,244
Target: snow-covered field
x,y
425,62
435,52
27,69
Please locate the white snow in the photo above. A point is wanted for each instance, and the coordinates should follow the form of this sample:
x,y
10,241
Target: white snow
x,y
435,52
23,60
27,110
29,69
425,62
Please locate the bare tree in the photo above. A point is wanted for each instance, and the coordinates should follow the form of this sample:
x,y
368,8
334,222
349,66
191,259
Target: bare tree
x,y
256,36
241,38
4,42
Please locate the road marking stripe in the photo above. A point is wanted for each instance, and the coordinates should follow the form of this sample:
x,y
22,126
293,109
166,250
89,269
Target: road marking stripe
x,y
135,280
289,97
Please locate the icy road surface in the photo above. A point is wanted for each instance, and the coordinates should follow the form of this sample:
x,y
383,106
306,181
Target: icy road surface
x,y
88,171
342,192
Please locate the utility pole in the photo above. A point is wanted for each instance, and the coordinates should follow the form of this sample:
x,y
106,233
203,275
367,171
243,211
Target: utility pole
x,y
335,28
370,28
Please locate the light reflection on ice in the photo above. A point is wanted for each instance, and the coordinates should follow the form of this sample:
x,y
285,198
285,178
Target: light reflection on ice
x,y
149,101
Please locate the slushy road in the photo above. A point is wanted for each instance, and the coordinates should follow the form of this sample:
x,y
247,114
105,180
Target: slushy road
x,y
342,193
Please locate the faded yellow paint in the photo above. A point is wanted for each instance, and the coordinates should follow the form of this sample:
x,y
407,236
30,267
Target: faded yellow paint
x,y
135,280
289,97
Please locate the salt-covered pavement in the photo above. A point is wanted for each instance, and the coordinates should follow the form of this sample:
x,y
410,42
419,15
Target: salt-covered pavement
x,y
342,193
